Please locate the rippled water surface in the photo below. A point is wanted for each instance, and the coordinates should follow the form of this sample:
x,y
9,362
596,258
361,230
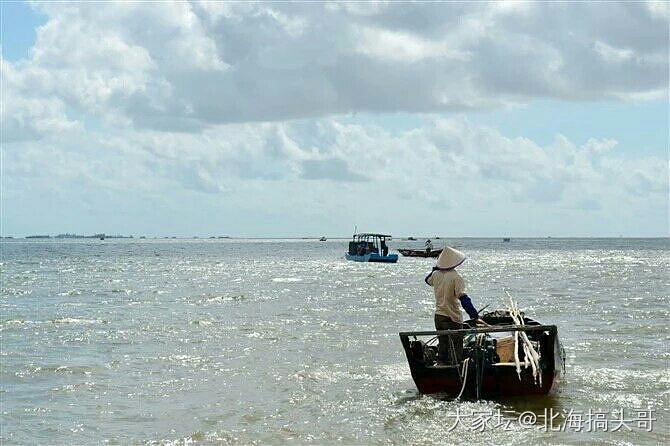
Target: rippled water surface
x,y
243,342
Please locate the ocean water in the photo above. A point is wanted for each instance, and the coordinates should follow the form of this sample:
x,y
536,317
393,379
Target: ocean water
x,y
285,342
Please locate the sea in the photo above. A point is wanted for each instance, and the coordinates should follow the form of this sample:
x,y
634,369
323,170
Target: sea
x,y
236,341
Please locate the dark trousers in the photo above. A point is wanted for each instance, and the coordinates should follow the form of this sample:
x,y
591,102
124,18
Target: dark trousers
x,y
450,348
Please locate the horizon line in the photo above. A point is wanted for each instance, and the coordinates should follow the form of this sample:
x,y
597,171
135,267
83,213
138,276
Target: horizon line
x,y
306,237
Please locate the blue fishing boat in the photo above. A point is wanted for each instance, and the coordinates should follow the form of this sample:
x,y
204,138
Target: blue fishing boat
x,y
366,247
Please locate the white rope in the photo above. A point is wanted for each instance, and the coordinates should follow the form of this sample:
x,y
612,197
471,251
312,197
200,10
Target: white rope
x,y
466,362
464,376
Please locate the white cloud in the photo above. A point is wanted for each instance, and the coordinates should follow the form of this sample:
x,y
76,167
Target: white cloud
x,y
190,104
188,65
444,165
597,146
28,115
659,9
402,47
611,54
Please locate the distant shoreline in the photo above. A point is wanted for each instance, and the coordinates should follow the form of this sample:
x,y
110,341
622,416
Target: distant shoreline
x,y
313,238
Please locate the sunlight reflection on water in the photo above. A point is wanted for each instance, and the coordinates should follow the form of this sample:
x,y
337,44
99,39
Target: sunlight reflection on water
x,y
285,341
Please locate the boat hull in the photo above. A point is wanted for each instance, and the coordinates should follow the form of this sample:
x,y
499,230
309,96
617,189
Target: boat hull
x,y
373,257
420,252
496,384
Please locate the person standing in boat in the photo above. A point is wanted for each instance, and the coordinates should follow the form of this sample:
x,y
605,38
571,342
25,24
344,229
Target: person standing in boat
x,y
450,296
429,246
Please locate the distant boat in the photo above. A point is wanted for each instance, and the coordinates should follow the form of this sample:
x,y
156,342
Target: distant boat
x,y
506,239
143,236
411,238
323,239
420,252
102,236
366,247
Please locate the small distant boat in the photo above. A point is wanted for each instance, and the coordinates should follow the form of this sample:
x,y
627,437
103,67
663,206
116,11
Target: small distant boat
x,y
323,239
420,252
411,239
490,371
368,247
506,239
102,236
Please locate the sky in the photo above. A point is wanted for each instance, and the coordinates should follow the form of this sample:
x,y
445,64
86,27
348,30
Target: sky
x,y
306,119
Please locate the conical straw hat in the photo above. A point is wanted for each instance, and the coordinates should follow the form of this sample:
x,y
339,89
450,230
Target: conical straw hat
x,y
450,258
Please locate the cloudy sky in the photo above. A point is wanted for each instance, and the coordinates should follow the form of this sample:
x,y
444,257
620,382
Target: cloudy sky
x,y
289,119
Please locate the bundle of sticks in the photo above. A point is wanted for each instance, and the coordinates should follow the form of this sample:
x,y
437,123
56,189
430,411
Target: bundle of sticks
x,y
531,356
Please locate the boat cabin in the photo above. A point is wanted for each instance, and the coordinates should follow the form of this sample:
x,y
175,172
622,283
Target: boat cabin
x,y
368,243
369,247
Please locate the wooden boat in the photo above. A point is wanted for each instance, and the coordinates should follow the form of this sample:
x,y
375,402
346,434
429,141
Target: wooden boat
x,y
323,239
486,375
411,239
368,247
420,252
506,239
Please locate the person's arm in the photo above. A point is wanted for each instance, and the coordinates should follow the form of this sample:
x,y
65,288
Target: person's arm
x,y
429,278
466,303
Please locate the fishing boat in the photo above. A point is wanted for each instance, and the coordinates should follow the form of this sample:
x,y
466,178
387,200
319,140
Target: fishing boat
x,y
506,239
323,239
411,239
497,361
420,252
368,247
